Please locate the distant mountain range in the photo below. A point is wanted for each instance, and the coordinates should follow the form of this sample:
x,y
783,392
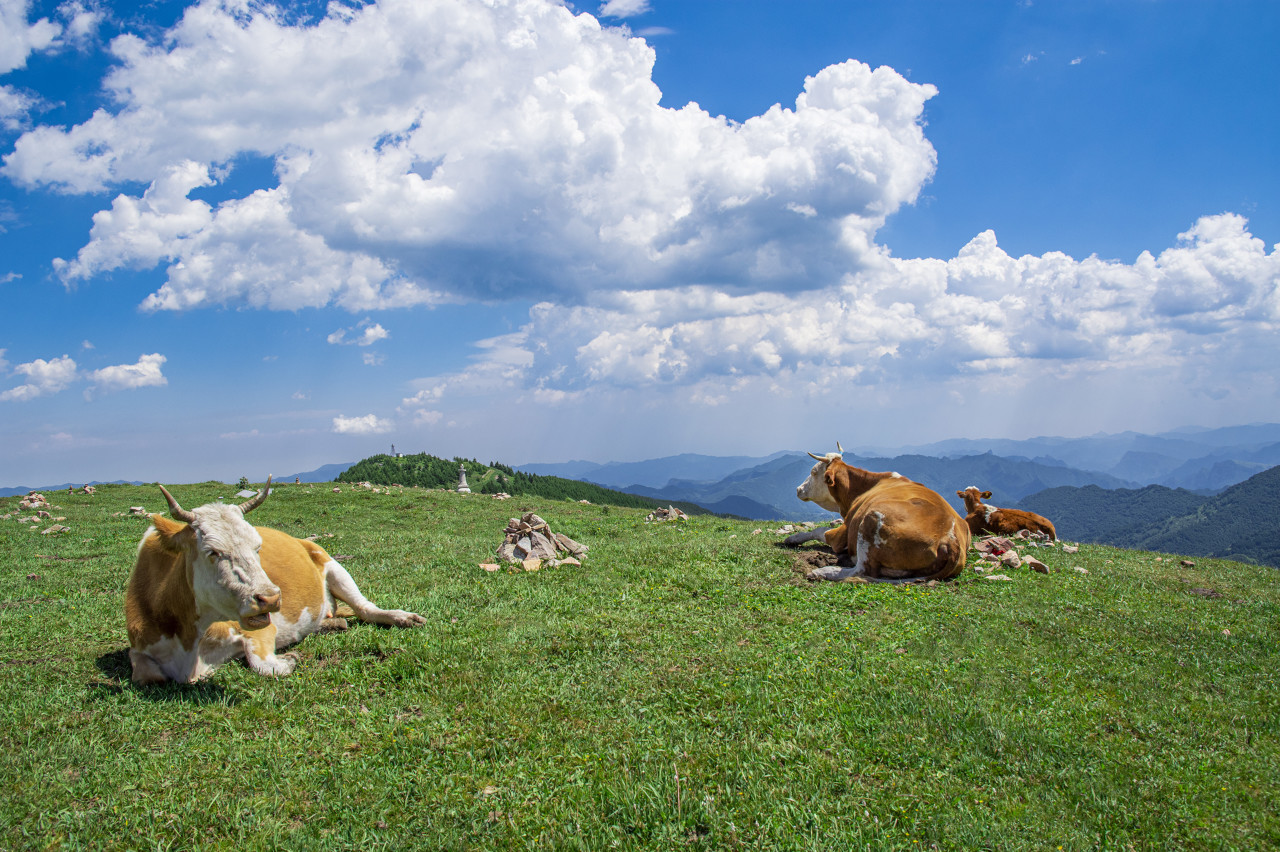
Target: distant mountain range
x,y
22,490
767,491
1203,461
326,473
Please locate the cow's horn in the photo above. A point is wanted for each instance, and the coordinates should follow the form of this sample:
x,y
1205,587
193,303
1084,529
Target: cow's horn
x,y
255,501
817,458
840,448
176,510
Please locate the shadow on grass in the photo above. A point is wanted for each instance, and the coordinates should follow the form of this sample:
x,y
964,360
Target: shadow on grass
x,y
116,668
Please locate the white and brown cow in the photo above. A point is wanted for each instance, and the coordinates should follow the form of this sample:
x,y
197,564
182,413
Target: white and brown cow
x,y
894,530
210,587
984,518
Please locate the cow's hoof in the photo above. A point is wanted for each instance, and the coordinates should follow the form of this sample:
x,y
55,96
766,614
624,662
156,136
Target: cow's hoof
x,y
401,618
281,665
333,624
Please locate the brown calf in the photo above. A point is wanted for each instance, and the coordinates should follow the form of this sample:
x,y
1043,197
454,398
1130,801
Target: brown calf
x,y
983,518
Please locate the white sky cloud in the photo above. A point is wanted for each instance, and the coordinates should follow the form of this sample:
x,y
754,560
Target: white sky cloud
x,y
19,38
367,331
623,8
983,312
370,424
145,373
45,377
527,151
50,377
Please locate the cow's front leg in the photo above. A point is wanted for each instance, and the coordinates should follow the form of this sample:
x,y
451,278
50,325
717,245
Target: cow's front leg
x,y
145,669
260,653
226,640
837,538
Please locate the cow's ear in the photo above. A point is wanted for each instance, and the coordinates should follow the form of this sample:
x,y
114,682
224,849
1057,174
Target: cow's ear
x,y
960,494
986,495
829,477
173,535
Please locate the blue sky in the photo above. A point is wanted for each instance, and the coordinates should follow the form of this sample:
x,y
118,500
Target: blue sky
x,y
238,239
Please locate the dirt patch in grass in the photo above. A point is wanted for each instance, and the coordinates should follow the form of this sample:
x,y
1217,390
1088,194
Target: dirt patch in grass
x,y
808,559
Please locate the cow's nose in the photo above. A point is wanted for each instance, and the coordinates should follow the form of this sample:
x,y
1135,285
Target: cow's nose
x,y
268,603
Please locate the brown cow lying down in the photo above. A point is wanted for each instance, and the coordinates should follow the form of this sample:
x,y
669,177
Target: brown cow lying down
x,y
982,518
894,530
215,588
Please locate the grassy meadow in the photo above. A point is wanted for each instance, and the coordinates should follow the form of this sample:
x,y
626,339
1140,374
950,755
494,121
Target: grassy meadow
x,y
684,688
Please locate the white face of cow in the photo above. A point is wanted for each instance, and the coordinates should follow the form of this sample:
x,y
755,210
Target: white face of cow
x,y
814,489
226,571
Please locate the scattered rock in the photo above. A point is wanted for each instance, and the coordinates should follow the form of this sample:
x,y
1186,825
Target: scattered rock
x,y
1079,570
1035,565
490,566
530,544
997,577
56,528
1187,563
1070,548
671,513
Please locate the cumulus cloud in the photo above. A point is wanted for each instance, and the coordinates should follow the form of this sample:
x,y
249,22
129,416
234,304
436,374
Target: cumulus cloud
x,y
368,332
526,150
983,312
370,424
19,38
623,8
50,377
145,373
44,378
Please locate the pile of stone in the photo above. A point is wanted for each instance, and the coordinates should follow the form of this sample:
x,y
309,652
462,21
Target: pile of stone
x,y
529,544
671,513
33,500
1001,552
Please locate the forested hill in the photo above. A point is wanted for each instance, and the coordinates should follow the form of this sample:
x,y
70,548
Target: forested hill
x,y
1241,523
1108,515
427,471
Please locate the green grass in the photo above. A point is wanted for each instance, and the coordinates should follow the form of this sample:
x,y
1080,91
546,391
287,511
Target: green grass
x,y
682,689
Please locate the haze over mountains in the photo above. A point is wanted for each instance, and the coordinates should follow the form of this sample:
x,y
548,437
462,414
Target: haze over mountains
x,y
1200,460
